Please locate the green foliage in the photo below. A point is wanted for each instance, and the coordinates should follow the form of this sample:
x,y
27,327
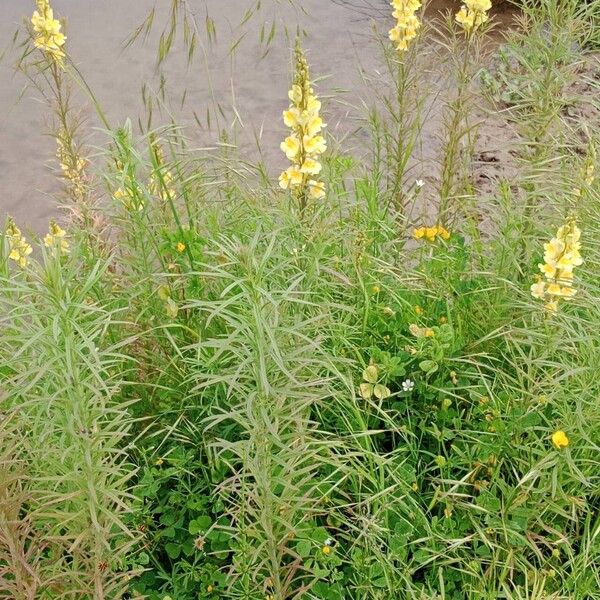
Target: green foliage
x,y
216,396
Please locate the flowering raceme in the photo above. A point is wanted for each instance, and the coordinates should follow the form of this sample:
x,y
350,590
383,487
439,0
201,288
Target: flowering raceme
x,y
72,166
19,249
48,36
305,143
561,256
55,239
473,14
408,23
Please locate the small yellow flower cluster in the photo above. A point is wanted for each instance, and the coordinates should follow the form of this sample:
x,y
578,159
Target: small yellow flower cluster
x,y
55,239
431,233
18,246
48,36
560,439
473,14
72,166
305,144
561,256
408,23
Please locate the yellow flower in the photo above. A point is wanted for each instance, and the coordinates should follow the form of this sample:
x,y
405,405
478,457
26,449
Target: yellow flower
x,y
538,289
430,233
548,270
291,117
55,239
326,550
560,439
316,189
419,233
48,36
418,310
314,125
314,145
19,248
295,94
180,247
311,167
290,146
290,177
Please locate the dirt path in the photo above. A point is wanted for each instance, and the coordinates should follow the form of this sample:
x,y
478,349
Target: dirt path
x,y
340,35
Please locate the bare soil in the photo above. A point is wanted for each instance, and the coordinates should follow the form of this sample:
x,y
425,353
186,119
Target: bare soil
x,y
248,84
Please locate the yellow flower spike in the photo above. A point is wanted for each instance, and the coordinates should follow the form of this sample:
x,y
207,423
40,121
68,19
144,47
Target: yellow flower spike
x,y
560,439
47,34
407,23
304,145
19,248
55,239
443,233
561,256
473,14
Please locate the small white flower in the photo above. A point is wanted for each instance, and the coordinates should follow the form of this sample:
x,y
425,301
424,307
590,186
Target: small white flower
x,y
419,183
408,385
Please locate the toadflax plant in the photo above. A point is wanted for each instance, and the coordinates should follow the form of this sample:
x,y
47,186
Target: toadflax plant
x,y
63,373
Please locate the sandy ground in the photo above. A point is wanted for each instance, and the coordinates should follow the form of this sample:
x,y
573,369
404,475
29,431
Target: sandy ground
x,y
340,37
